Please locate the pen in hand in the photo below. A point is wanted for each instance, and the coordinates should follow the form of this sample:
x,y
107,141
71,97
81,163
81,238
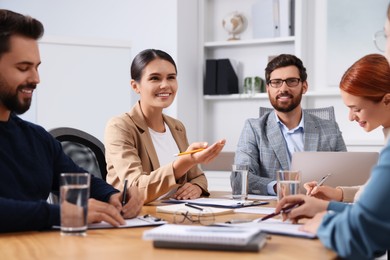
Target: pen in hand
x,y
124,193
321,182
189,152
286,209
323,179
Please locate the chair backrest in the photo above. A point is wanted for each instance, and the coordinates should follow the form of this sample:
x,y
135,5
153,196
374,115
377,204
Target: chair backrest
x,y
223,162
326,113
84,149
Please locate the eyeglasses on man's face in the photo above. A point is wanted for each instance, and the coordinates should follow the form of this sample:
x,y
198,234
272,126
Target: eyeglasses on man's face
x,y
380,39
277,83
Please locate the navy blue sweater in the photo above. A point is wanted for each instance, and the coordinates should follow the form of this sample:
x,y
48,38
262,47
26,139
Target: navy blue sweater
x,y
31,161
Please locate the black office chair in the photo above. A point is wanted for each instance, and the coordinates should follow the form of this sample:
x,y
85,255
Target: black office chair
x,y
85,150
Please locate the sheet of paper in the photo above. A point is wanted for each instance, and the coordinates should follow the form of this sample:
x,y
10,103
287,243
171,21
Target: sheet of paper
x,y
256,210
182,207
139,221
230,203
275,226
255,197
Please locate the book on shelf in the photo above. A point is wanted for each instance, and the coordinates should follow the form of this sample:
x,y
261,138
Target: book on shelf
x,y
172,209
206,237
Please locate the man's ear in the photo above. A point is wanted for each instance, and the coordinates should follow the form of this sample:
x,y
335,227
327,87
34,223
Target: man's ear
x,y
305,86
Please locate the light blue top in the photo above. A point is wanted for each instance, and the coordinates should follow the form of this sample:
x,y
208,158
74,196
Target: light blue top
x,y
294,143
362,230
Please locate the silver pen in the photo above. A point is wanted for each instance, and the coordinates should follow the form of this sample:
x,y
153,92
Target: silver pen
x,y
323,179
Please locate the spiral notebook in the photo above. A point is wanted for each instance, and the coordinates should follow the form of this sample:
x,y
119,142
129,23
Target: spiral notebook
x,y
203,237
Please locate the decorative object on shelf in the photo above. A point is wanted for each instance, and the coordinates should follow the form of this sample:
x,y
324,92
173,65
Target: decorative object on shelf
x,y
253,85
234,23
258,86
247,85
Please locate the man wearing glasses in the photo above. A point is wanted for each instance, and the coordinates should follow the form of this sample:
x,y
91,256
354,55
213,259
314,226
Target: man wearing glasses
x,y
267,143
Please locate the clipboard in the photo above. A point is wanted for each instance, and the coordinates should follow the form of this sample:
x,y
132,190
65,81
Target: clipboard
x,y
140,221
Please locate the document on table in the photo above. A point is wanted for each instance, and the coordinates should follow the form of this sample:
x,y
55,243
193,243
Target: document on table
x,y
256,197
256,210
140,221
223,203
275,226
182,208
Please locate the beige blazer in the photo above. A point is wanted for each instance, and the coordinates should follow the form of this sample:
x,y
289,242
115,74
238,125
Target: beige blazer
x,y
130,154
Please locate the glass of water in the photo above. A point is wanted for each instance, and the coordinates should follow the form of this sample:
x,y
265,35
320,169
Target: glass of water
x,y
74,195
288,183
239,181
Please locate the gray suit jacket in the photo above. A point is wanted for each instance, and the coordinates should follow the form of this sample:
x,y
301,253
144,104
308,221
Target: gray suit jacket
x,y
263,147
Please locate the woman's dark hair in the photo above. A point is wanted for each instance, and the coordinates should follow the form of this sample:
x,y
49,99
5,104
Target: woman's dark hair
x,y
369,77
12,23
142,60
285,60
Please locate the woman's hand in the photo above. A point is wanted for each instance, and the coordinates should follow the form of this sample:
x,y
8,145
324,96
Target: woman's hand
x,y
308,209
313,224
186,162
209,153
188,191
323,192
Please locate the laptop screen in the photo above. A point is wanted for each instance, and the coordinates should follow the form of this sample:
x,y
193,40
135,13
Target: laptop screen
x,y
346,168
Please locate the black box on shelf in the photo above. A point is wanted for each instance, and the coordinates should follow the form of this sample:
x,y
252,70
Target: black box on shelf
x,y
220,79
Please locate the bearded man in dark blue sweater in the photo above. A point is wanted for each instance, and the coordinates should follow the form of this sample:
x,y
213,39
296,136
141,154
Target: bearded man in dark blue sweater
x,y
31,160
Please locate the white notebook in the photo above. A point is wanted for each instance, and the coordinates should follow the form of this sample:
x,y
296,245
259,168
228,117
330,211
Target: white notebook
x,y
202,234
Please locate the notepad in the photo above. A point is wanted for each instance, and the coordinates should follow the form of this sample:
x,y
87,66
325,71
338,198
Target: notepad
x,y
254,245
181,207
202,234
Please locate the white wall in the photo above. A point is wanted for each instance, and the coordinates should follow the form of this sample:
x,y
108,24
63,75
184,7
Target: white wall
x,y
145,24
172,25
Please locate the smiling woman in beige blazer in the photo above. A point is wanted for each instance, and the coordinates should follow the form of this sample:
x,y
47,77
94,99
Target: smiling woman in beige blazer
x,y
140,145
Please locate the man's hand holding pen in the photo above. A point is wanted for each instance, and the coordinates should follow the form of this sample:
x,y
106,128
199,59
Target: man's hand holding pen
x,y
132,203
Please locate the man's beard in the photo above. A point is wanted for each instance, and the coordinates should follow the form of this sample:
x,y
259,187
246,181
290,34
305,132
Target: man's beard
x,y
11,100
295,101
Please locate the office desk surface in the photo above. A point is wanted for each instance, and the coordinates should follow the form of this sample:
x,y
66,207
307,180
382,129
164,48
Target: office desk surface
x,y
127,243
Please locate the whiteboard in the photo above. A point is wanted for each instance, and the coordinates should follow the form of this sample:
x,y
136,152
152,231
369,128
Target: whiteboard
x,y
83,84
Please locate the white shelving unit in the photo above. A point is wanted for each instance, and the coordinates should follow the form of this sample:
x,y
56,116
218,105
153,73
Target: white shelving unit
x,y
222,116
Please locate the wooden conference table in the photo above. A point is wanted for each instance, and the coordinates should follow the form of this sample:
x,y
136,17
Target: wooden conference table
x,y
127,243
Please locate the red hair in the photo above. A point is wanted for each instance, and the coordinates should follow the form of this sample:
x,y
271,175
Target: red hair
x,y
369,77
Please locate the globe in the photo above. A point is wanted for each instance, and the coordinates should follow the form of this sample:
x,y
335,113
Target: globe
x,y
234,23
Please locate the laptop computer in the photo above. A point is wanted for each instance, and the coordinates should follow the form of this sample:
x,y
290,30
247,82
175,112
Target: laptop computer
x,y
346,168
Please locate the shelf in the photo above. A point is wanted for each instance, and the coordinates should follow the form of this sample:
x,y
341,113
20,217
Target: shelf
x,y
265,41
265,95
